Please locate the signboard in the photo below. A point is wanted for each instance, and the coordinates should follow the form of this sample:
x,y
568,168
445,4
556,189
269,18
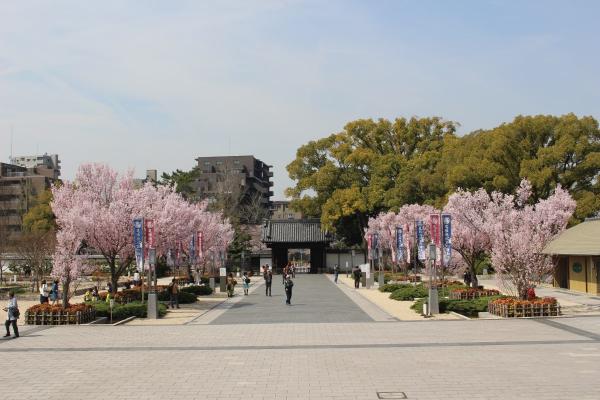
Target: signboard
x,y
399,244
222,271
434,220
152,257
138,242
375,245
421,240
447,237
366,268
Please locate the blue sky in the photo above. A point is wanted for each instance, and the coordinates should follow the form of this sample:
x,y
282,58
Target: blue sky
x,y
147,85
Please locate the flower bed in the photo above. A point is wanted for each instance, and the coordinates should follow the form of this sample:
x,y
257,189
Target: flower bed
x,y
510,307
46,314
472,293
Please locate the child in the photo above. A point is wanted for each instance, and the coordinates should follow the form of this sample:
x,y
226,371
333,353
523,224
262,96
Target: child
x,y
246,283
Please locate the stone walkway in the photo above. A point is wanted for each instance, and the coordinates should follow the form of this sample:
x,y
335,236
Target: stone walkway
x,y
505,359
253,347
315,300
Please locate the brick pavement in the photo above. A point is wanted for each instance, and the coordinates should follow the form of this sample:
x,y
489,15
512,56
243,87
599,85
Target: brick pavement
x,y
479,359
315,299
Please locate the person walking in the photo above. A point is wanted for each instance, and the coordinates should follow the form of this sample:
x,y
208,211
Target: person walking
x,y
231,282
12,308
54,292
288,285
44,292
336,272
268,282
293,271
174,294
246,283
357,275
95,294
284,273
467,278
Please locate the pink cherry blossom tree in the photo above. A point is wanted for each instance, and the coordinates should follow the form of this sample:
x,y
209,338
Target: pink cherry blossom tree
x,y
470,229
520,231
99,207
385,226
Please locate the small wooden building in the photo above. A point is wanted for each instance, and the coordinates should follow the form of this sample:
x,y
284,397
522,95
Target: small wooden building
x,y
282,235
577,252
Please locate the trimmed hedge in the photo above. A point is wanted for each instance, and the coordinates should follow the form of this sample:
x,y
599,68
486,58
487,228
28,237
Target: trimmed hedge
x,y
392,287
469,308
409,293
122,311
198,290
184,297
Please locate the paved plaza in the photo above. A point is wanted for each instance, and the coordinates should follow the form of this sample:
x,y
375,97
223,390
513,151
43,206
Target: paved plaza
x,y
258,348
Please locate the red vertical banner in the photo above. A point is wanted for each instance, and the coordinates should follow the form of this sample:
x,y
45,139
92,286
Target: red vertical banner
x,y
369,243
200,244
150,233
434,220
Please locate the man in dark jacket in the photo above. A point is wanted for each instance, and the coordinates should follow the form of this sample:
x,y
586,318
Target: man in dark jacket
x,y
357,275
288,284
268,281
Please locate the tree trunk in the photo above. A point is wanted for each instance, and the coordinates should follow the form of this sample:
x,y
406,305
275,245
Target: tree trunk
x,y
474,281
114,275
65,293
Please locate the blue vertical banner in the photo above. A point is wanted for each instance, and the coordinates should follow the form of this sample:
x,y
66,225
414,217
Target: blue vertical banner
x,y
421,240
375,246
447,237
138,241
399,244
193,250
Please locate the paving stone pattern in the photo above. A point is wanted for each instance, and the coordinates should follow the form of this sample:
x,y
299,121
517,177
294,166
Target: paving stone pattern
x,y
284,359
315,299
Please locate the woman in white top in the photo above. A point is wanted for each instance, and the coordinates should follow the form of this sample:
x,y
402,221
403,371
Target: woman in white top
x,y
44,291
12,309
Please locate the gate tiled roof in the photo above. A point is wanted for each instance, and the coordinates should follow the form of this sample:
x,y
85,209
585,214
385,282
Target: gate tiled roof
x,y
294,231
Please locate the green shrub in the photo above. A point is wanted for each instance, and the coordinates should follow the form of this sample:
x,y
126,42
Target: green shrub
x,y
469,308
392,287
122,311
409,293
184,297
198,290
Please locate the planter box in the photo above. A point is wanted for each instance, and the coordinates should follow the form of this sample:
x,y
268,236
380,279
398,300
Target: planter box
x,y
60,318
525,310
463,295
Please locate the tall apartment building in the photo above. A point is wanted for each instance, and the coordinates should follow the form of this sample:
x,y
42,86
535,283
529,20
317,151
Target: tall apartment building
x,y
18,187
151,176
280,209
246,176
45,164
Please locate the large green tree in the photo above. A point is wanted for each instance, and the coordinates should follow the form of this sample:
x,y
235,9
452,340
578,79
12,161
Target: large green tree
x,y
368,167
547,150
373,166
